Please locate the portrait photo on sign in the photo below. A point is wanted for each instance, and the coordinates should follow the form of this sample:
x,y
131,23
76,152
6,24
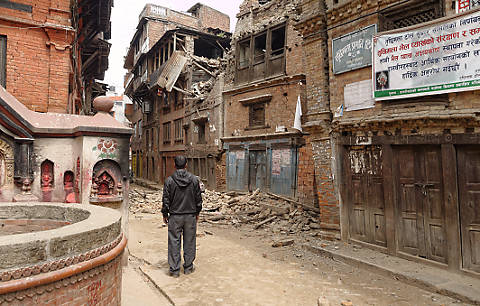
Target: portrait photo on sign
x,y
381,80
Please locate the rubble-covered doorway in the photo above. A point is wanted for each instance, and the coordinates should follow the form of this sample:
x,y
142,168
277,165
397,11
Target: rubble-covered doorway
x,y
469,196
420,208
366,205
257,170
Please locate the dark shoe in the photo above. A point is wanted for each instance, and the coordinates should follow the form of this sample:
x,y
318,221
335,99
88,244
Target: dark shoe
x,y
189,271
173,274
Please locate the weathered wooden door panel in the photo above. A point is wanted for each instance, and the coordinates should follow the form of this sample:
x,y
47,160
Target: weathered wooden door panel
x,y
408,231
434,210
469,196
366,205
358,218
378,211
420,205
257,170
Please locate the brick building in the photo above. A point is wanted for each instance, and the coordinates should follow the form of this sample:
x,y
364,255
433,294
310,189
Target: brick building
x,y
265,79
403,140
175,84
50,54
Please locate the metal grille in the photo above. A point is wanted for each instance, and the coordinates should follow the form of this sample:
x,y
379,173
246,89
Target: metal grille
x,y
415,19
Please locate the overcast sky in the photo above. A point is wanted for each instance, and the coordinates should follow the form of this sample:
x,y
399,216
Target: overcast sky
x,y
125,20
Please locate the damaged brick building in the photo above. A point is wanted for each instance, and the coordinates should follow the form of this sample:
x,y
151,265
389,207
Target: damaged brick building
x,y
51,53
175,83
400,125
264,81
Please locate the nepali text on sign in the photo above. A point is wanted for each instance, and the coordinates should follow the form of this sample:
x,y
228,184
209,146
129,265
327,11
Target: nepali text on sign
x,y
434,59
354,50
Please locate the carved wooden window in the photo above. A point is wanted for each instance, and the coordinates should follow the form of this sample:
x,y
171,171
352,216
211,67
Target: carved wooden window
x,y
261,55
156,60
244,53
410,13
147,139
178,126
160,140
277,51
166,132
3,61
201,132
259,48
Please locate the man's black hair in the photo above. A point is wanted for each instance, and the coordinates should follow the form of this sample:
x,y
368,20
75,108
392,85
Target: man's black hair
x,y
180,161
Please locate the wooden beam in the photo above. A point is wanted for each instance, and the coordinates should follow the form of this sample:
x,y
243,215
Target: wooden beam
x,y
203,68
89,61
224,51
183,91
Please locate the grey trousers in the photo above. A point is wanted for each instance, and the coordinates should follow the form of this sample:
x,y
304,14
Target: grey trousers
x,y
178,225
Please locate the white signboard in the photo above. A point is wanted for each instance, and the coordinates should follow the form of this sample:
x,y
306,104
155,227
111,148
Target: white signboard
x,y
440,58
358,95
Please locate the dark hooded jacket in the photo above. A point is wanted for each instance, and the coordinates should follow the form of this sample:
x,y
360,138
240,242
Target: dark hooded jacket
x,y
181,194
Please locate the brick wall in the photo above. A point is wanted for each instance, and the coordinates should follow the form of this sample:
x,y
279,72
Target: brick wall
x,y
37,74
295,59
306,186
38,59
280,111
326,193
211,18
318,86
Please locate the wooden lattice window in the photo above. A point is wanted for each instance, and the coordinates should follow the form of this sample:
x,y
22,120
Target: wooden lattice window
x,y
166,132
201,132
261,55
178,127
410,13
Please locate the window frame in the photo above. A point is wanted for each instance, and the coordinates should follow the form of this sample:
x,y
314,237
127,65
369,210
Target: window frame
x,y
254,122
167,137
201,136
178,130
250,69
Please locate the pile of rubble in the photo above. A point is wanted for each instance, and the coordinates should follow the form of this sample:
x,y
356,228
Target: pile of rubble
x,y
280,214
260,209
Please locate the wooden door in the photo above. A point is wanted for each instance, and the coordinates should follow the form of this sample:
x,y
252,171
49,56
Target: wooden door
x,y
366,204
420,206
469,196
257,170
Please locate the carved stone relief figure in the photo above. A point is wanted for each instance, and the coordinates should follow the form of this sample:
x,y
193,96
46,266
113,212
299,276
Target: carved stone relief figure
x,y
6,165
47,176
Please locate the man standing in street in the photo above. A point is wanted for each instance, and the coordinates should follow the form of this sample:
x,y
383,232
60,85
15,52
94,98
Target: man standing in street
x,y
182,202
